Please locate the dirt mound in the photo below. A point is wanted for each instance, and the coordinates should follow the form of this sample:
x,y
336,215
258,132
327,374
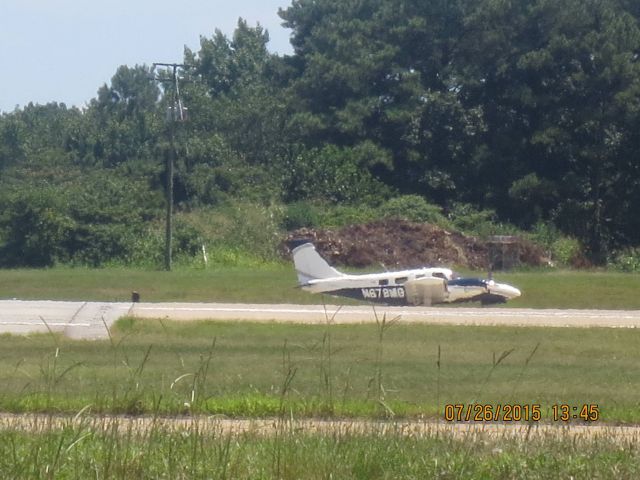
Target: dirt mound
x,y
398,244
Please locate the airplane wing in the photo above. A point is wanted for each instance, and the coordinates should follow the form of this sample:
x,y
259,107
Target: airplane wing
x,y
426,291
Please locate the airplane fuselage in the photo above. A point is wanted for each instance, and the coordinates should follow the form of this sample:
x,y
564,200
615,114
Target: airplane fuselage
x,y
391,290
386,288
422,286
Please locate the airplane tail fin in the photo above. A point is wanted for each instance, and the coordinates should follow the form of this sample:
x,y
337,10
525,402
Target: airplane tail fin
x,y
310,265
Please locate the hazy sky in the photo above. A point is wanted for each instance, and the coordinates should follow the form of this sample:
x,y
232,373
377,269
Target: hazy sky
x,y
64,50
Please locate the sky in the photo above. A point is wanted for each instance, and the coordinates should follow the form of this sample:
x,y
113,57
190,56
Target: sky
x,y
64,50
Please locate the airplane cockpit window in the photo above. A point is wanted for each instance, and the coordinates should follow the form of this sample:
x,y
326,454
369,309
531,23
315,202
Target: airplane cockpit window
x,y
383,282
401,280
439,275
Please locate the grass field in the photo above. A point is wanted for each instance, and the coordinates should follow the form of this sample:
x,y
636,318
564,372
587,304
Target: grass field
x,y
276,283
254,370
270,284
285,371
87,451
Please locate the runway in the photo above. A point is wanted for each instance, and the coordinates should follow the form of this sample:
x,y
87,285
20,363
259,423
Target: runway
x,y
90,320
80,320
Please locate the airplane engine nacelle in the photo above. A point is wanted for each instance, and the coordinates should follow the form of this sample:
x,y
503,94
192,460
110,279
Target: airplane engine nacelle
x,y
426,291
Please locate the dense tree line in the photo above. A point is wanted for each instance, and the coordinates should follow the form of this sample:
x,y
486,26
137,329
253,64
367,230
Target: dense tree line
x,y
528,108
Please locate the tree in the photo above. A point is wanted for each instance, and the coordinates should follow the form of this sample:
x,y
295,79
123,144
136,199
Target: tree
x,y
381,72
227,65
238,128
35,226
483,102
558,84
122,120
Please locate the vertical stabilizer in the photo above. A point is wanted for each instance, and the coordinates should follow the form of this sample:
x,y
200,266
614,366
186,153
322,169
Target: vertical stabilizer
x,y
310,265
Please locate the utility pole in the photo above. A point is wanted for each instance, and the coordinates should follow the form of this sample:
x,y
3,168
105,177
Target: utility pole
x,y
175,104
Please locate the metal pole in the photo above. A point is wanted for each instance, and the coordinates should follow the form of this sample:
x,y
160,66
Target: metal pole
x,y
169,214
168,247
170,163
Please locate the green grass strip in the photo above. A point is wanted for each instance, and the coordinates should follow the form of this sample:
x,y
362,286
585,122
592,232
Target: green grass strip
x,y
255,370
277,284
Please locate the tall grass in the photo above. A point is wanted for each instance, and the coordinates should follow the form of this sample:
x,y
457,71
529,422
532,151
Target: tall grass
x,y
164,368
118,448
382,325
382,370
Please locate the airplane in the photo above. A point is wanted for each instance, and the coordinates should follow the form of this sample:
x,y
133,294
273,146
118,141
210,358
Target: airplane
x,y
423,286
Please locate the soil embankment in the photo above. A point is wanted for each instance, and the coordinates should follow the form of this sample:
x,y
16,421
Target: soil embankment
x,y
399,244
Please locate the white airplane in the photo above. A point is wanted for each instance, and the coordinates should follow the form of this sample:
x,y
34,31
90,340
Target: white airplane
x,y
423,286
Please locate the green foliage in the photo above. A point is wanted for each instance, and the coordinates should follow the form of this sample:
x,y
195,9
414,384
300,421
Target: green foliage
x,y
470,220
110,214
334,174
237,232
501,113
300,214
533,196
415,209
226,65
563,250
627,261
35,226
334,216
121,125
515,107
92,221
545,234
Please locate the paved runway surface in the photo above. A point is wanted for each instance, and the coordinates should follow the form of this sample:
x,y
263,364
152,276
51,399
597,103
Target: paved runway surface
x,y
89,319
75,319
363,314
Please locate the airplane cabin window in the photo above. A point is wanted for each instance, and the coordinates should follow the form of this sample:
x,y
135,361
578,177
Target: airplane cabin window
x,y
401,280
439,275
383,282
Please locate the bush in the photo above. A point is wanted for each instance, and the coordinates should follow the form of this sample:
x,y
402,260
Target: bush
x,y
237,231
414,208
627,260
336,216
482,223
544,234
35,225
563,250
111,213
300,214
336,174
325,215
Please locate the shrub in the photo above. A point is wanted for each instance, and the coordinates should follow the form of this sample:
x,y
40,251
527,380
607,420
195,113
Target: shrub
x,y
627,260
482,223
414,208
36,225
336,174
300,214
237,231
336,216
565,250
